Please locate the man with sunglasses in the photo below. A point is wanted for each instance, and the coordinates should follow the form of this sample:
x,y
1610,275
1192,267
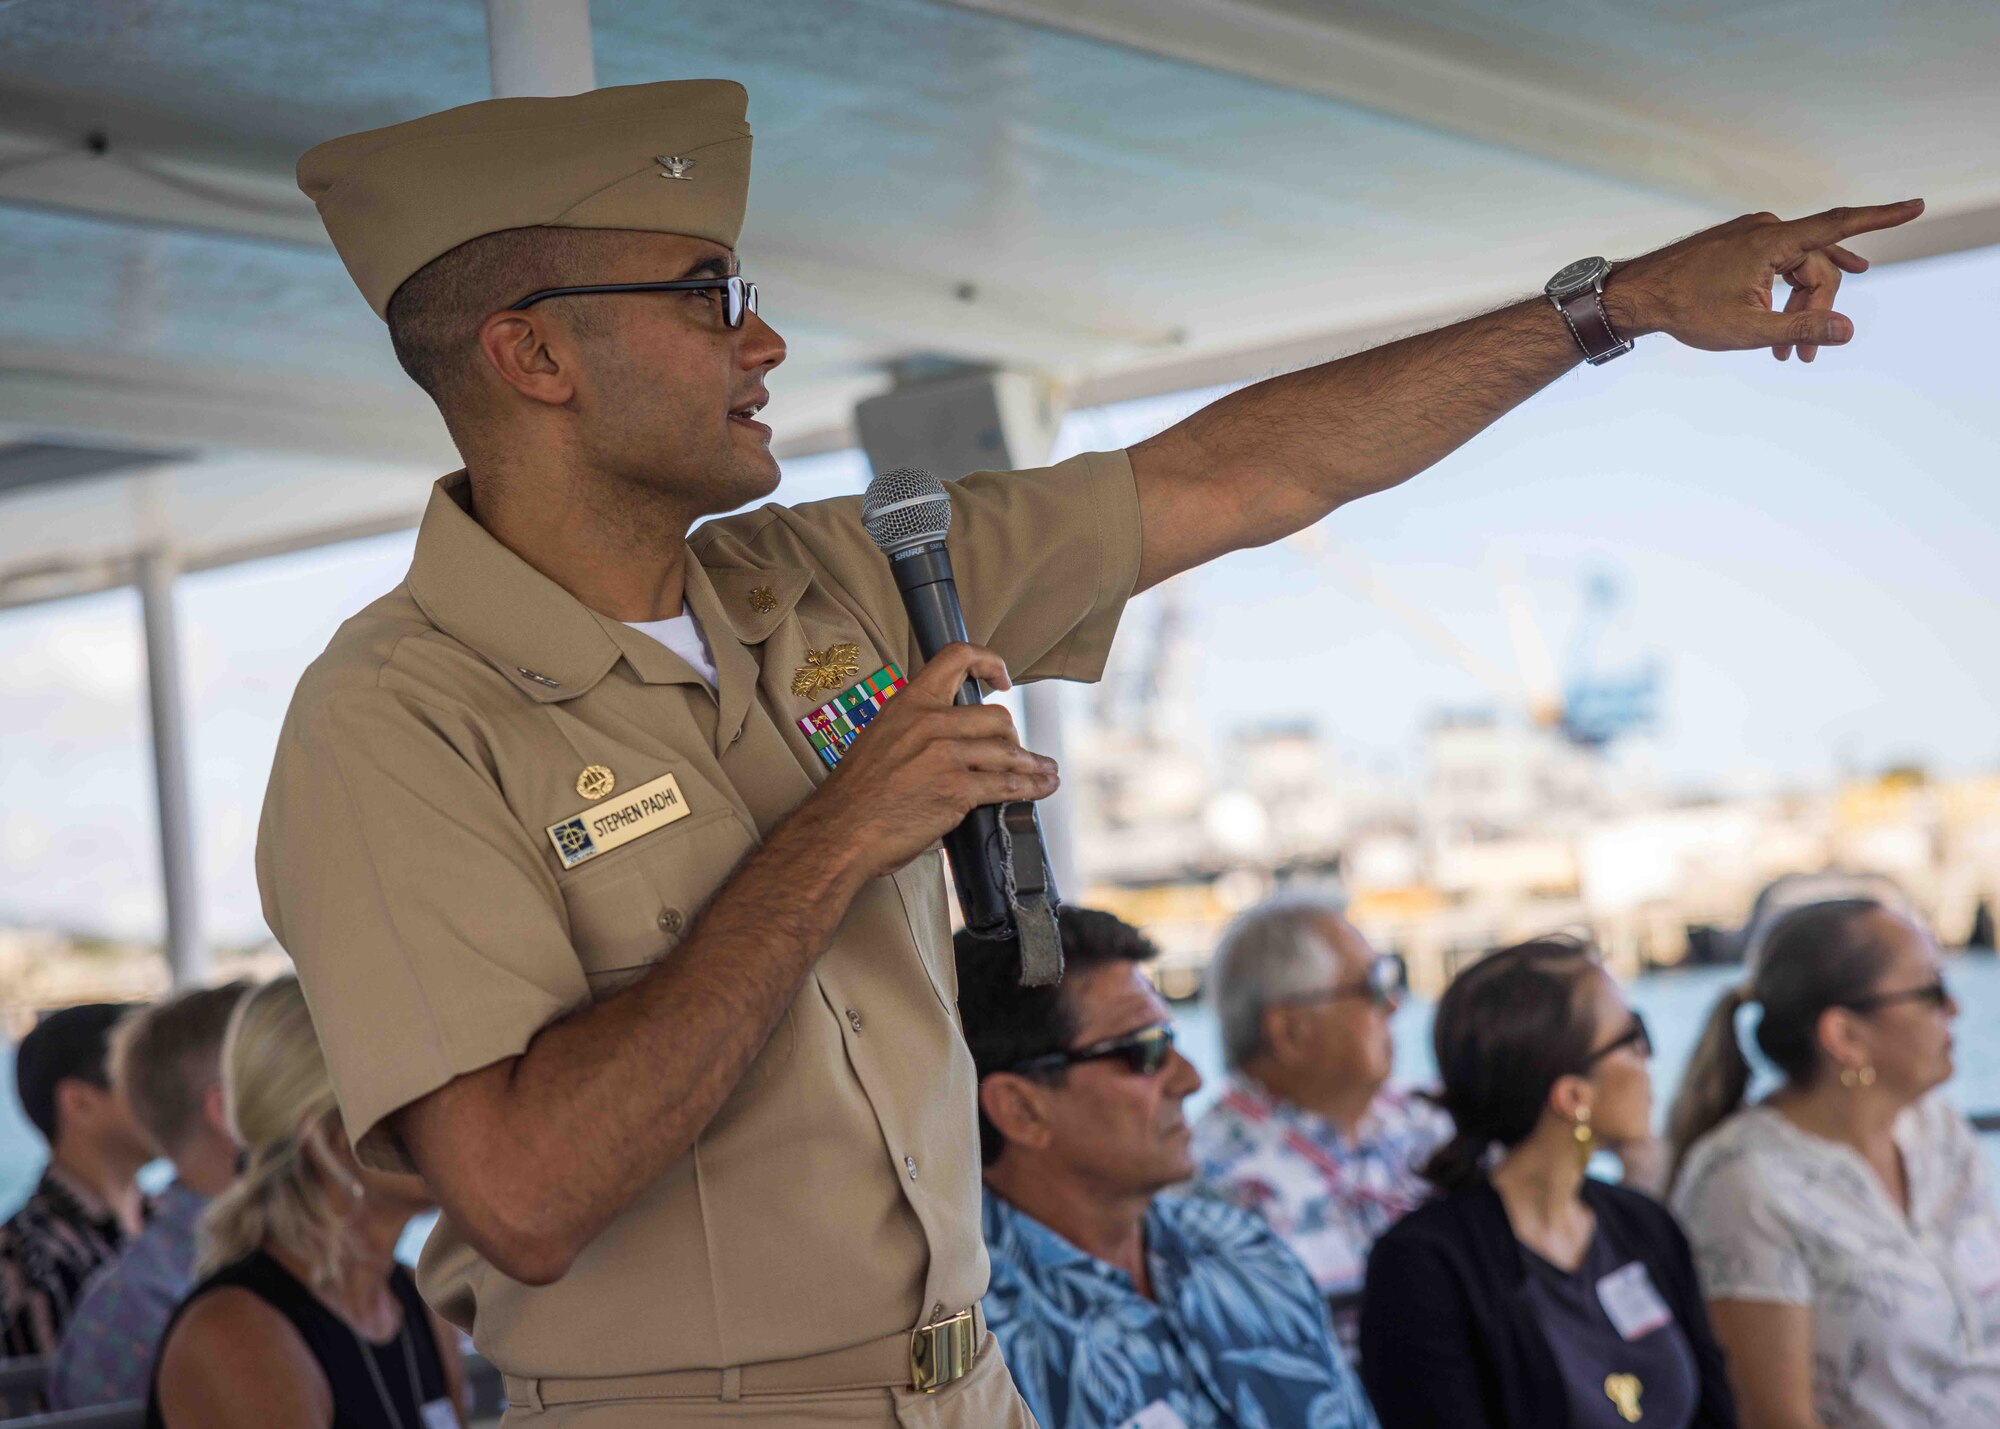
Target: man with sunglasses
x,y
610,924
1117,1305
1308,1133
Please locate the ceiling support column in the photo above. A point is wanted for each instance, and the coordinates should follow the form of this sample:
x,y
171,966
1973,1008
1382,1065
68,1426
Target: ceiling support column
x,y
539,47
187,954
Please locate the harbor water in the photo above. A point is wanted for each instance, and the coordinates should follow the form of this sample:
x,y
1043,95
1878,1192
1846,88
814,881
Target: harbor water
x,y
1674,1003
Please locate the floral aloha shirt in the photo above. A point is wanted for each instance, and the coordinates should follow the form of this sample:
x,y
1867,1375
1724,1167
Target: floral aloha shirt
x,y
1234,1338
1328,1195
1905,1307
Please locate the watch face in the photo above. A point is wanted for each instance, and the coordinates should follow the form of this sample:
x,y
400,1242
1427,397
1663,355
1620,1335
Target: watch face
x,y
1578,275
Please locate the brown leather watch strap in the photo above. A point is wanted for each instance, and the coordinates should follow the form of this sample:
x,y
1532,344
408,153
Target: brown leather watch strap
x,y
1588,324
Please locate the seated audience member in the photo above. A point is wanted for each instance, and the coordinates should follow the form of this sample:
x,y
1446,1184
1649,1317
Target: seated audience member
x,y
166,1063
1115,1305
1844,1227
88,1204
1308,1133
1529,1295
304,1317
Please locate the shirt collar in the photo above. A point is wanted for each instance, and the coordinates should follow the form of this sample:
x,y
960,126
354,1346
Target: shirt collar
x,y
74,1201
1035,1249
1039,1252
179,1207
547,643
1250,1097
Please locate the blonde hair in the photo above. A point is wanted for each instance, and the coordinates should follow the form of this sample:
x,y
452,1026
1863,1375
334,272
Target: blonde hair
x,y
164,1058
282,1112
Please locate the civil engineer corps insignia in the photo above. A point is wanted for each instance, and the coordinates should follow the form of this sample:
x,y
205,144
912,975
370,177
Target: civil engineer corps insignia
x,y
600,829
827,670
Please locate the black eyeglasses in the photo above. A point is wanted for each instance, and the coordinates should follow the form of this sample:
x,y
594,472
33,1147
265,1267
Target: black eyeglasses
x,y
1386,980
1936,994
1143,1052
739,294
1635,1035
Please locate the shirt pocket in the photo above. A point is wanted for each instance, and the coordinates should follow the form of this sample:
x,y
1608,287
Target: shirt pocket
x,y
631,907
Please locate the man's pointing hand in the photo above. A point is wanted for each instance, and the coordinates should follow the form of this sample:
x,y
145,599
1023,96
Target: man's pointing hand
x,y
1713,289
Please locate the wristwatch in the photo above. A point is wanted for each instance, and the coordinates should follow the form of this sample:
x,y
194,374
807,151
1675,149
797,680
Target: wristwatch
x,y
1578,293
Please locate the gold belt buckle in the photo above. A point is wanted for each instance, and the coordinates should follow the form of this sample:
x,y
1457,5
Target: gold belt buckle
x,y
942,1352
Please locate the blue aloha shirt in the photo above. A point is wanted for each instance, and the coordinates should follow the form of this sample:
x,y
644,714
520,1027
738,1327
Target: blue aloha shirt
x,y
1234,1338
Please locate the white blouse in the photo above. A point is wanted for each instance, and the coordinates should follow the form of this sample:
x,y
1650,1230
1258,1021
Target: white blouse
x,y
1906,1311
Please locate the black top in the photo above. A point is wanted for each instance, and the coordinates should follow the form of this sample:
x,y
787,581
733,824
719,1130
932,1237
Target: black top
x,y
1448,1337
357,1399
48,1252
1623,1357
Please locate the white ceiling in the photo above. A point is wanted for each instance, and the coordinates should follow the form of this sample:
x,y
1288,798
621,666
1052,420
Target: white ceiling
x,y
1132,195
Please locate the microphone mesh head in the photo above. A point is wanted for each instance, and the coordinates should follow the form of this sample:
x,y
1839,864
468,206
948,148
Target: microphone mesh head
x,y
905,507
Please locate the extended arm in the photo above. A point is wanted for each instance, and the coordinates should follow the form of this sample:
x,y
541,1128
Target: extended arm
x,y
533,1155
1274,458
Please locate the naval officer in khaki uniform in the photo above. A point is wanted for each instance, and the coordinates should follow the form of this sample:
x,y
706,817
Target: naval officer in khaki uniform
x,y
660,1004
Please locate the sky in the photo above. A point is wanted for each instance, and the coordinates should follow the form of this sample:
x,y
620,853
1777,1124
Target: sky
x,y
1810,553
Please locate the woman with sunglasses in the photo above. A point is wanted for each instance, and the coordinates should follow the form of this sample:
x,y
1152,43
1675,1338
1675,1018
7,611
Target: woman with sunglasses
x,y
1529,1296
1844,1226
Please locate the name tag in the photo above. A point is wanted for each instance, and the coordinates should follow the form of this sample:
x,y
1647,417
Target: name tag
x,y
1978,1257
1635,1307
1157,1415
612,824
438,1415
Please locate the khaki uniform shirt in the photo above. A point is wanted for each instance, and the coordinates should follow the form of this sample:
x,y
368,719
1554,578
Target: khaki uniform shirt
x,y
406,865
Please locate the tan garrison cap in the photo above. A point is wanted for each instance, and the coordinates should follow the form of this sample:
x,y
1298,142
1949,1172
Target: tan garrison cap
x,y
672,157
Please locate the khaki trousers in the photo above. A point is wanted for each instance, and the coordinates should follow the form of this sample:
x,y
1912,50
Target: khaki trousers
x,y
984,1399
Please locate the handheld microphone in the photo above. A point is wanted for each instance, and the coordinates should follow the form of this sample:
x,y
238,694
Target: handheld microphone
x,y
998,864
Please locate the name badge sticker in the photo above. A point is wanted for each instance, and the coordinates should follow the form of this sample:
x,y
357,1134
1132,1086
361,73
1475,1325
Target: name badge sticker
x,y
1157,1415
438,1414
616,822
1634,1306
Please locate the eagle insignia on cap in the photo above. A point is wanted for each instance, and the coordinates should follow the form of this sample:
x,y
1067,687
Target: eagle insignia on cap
x,y
674,166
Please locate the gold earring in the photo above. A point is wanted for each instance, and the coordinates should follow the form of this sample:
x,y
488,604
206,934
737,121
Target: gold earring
x,y
1862,1076
1585,1142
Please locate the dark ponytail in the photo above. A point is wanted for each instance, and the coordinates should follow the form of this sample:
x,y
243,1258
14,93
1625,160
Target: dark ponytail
x,y
1713,1086
1456,1164
1506,1029
1817,956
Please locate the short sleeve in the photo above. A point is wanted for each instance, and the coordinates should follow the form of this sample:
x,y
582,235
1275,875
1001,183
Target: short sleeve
x,y
426,927
1745,1246
1044,560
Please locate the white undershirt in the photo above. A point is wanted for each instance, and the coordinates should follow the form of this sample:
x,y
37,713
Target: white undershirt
x,y
682,635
